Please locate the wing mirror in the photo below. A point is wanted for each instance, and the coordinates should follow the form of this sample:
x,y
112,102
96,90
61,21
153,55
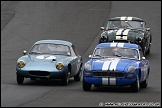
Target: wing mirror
x,y
102,28
143,58
148,29
24,52
90,56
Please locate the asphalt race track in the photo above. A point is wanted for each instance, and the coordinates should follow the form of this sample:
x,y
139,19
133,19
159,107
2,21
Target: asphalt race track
x,y
25,22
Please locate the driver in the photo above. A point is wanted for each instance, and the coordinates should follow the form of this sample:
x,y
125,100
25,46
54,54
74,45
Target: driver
x,y
116,24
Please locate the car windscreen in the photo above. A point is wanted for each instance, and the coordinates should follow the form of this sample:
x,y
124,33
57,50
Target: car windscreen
x,y
116,51
50,48
125,24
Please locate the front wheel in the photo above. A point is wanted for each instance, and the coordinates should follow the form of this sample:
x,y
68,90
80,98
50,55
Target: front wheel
x,y
65,79
148,51
77,77
144,51
20,79
144,84
135,86
86,86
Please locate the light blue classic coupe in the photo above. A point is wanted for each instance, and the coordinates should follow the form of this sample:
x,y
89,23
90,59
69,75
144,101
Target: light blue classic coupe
x,y
116,64
50,59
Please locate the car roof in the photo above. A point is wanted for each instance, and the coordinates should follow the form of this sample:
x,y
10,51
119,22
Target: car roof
x,y
54,42
121,45
127,18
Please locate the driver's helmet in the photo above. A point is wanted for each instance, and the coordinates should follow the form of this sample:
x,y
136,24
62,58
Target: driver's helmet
x,y
116,24
50,47
115,51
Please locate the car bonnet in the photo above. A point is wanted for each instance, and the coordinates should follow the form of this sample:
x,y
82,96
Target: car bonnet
x,y
116,64
46,57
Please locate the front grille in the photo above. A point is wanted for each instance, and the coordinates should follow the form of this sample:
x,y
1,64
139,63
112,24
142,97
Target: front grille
x,y
108,74
39,73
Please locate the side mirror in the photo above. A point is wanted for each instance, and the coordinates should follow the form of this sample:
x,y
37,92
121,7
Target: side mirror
x,y
24,52
148,29
102,28
143,58
90,56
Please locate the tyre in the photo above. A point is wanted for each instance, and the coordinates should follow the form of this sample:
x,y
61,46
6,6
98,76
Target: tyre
x,y
144,84
86,86
77,77
96,85
65,79
148,51
144,51
135,86
20,79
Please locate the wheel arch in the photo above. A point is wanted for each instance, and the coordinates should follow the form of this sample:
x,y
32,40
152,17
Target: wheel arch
x,y
69,67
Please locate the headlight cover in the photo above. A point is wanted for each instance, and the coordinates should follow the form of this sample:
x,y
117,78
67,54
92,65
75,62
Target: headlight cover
x,y
103,38
131,69
20,64
59,66
87,67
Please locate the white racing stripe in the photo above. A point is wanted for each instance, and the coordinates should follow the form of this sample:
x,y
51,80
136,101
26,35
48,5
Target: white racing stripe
x,y
129,18
114,64
119,32
112,81
106,65
124,38
122,18
121,37
104,81
120,44
126,32
118,37
113,44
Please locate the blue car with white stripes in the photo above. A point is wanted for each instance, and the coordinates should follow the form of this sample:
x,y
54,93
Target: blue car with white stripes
x,y
116,64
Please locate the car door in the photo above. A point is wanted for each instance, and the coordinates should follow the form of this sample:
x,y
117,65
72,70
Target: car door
x,y
76,60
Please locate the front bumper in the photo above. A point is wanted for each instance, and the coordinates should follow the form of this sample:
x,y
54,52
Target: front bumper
x,y
42,74
109,81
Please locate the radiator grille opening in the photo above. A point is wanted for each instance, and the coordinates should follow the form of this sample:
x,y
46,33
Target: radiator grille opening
x,y
108,74
39,73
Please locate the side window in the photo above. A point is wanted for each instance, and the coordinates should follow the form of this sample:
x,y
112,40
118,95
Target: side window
x,y
75,51
141,53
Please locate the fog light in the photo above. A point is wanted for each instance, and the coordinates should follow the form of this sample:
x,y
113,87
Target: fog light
x,y
130,76
87,74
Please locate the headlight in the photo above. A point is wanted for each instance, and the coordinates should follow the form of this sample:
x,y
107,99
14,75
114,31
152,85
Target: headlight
x,y
103,38
59,66
87,67
138,39
20,64
131,69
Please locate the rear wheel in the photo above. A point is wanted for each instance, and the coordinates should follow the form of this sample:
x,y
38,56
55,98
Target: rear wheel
x,y
20,79
86,86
